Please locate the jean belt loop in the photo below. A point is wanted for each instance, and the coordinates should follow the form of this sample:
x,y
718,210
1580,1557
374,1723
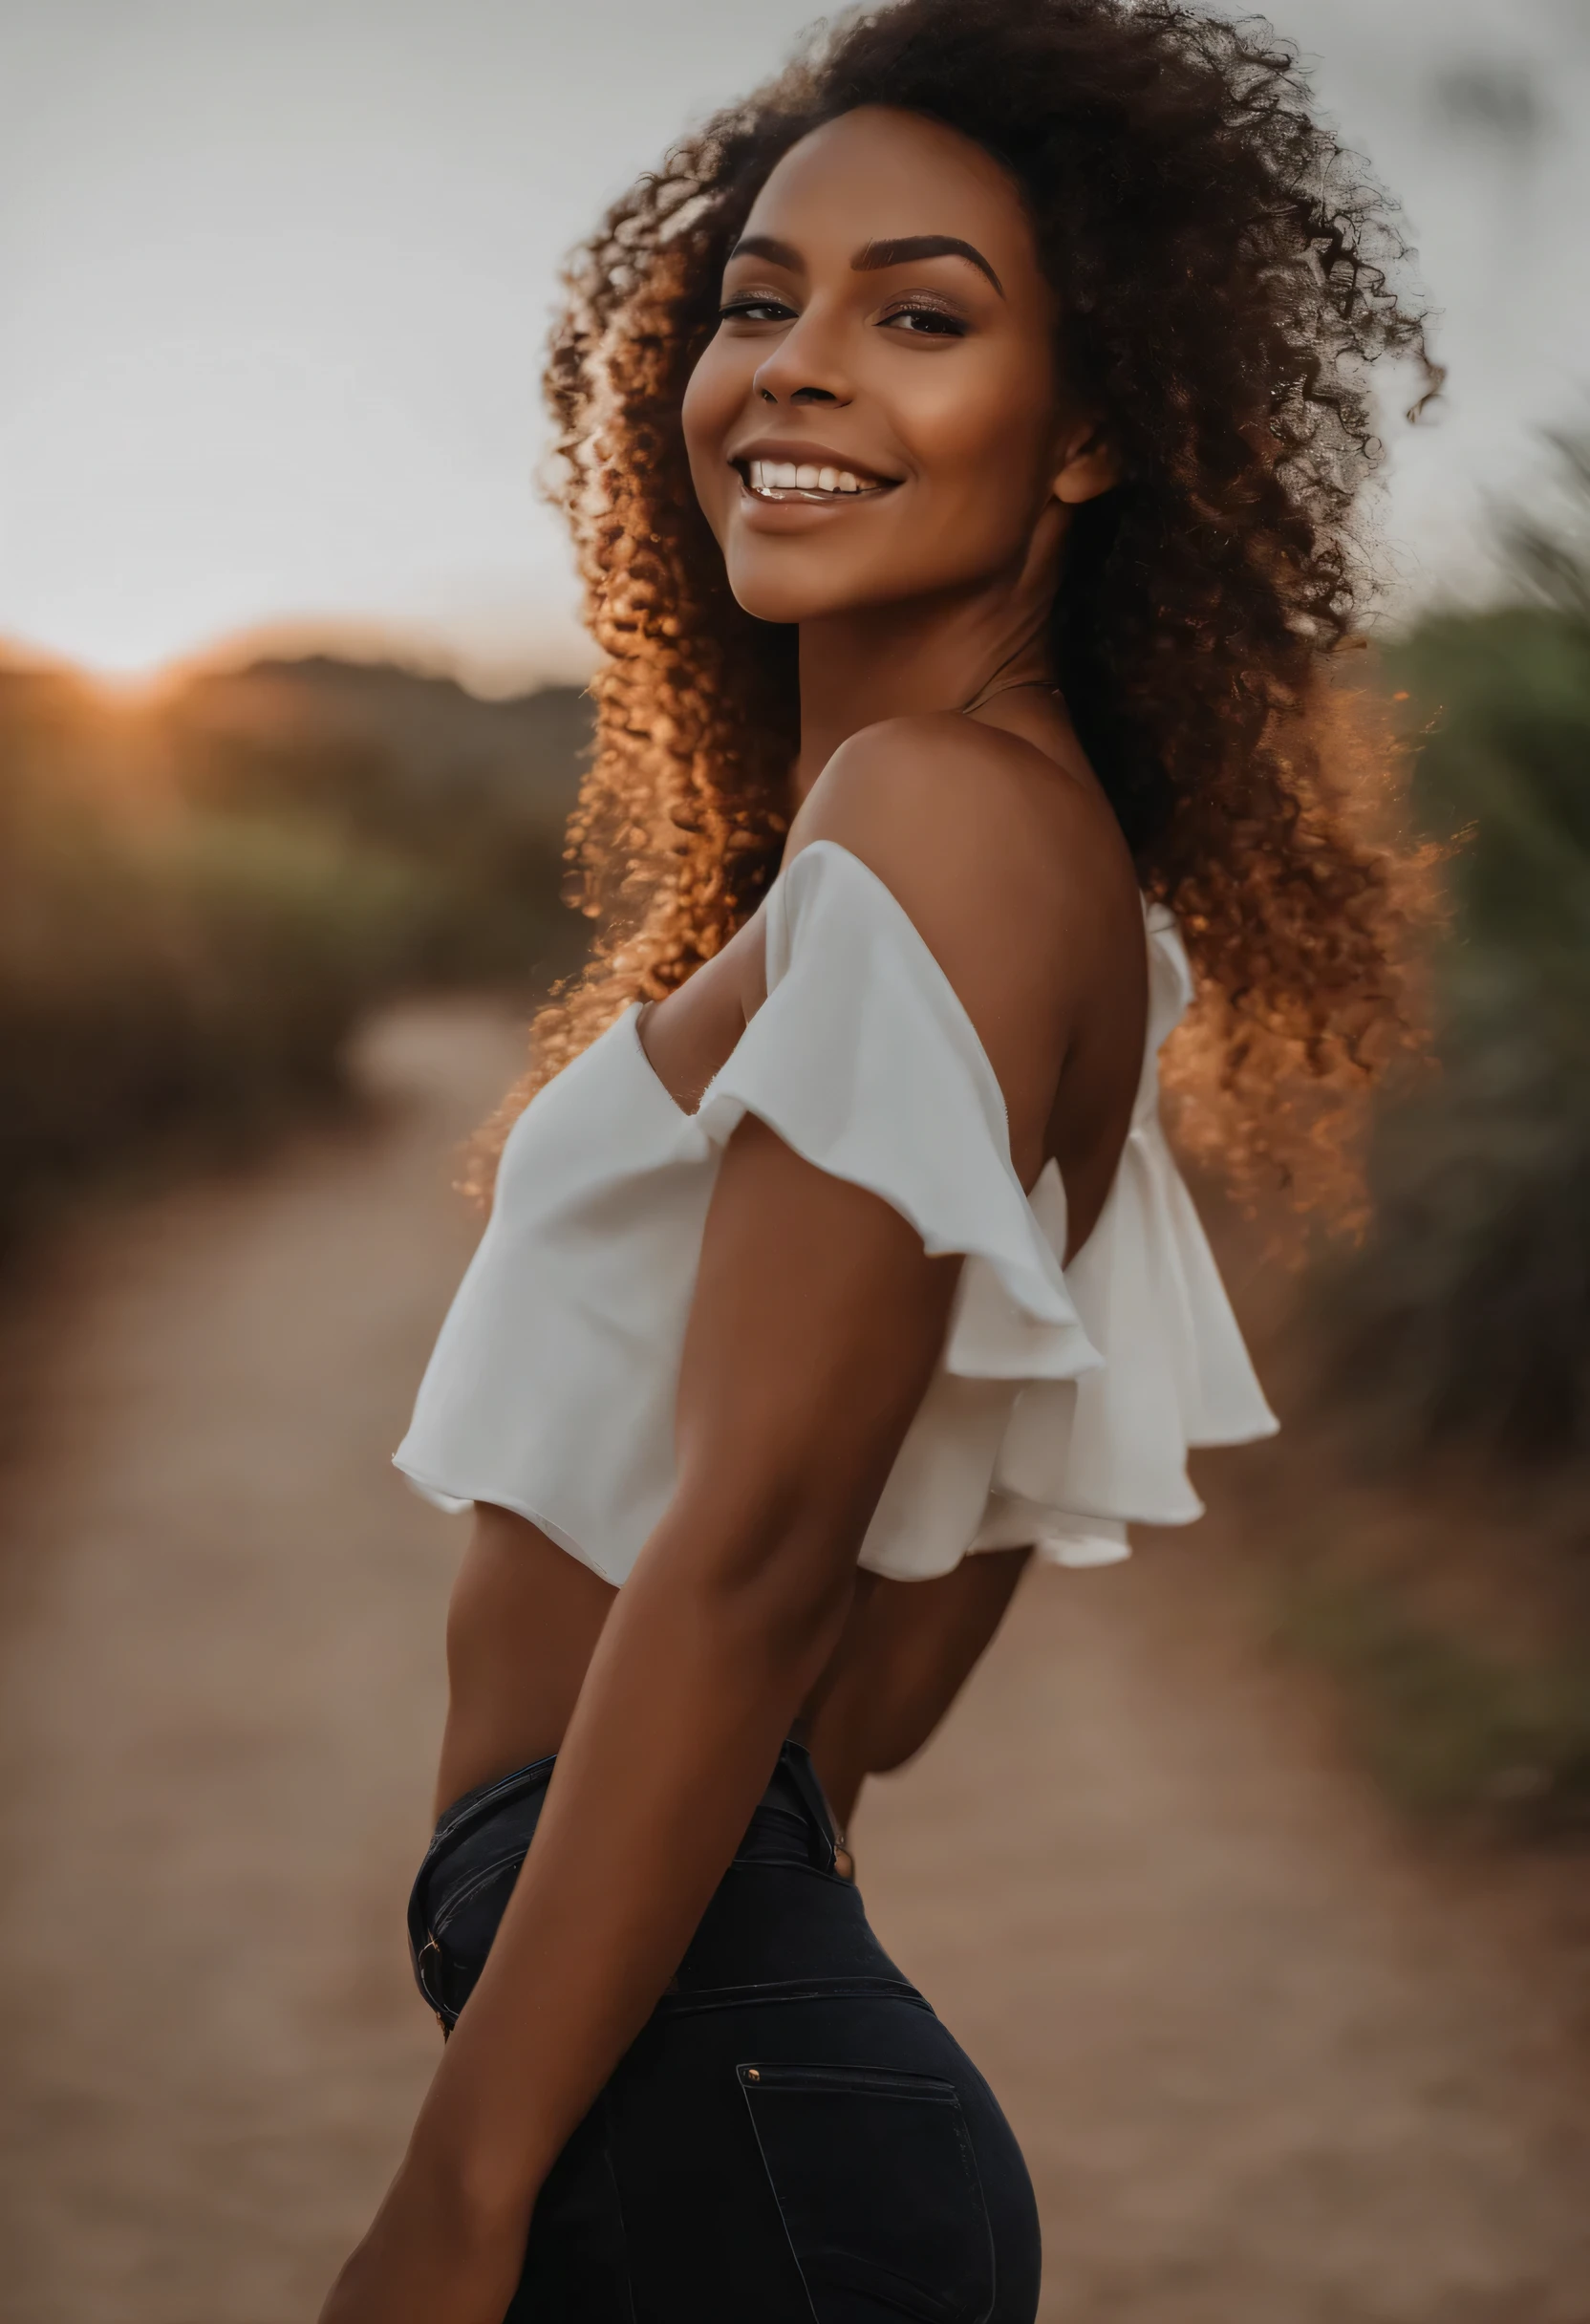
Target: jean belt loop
x,y
804,1775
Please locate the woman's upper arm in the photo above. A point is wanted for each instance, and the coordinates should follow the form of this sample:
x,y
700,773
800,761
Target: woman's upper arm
x,y
818,1316
815,1327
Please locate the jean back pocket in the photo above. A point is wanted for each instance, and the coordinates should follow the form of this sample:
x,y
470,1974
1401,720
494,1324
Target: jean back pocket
x,y
878,2188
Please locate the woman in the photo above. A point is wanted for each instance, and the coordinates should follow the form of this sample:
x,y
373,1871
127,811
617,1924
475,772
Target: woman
x,y
960,437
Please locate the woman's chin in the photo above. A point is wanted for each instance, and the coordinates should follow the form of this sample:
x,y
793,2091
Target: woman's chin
x,y
792,596
787,608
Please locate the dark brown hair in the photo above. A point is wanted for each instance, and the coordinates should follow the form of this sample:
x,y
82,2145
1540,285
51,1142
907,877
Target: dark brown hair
x,y
1224,272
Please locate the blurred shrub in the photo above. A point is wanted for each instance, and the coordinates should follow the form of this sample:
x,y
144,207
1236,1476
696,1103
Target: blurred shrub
x,y
1447,1728
186,985
199,899
1467,1314
474,794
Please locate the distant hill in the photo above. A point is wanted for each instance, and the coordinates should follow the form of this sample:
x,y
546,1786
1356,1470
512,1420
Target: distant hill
x,y
203,892
307,733
469,798
380,743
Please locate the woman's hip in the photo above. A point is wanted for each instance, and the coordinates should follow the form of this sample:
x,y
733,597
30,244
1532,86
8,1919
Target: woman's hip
x,y
832,2156
793,2135
783,1918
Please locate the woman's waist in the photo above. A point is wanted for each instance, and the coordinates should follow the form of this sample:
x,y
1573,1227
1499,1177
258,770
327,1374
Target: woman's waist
x,y
523,1623
781,1917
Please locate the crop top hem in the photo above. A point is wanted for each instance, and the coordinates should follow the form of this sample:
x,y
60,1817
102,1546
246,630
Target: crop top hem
x,y
1070,1539
456,1504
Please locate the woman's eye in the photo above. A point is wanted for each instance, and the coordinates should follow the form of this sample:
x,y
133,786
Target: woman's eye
x,y
925,322
754,310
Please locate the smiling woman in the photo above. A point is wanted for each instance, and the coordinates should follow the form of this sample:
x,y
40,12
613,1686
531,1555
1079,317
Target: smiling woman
x,y
960,452
905,362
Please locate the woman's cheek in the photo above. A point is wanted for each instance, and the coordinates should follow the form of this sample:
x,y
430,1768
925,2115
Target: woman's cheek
x,y
712,397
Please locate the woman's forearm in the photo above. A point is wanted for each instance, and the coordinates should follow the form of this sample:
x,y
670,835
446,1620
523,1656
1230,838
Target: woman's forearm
x,y
692,1689
815,1325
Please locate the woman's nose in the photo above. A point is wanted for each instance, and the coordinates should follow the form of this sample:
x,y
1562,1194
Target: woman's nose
x,y
805,367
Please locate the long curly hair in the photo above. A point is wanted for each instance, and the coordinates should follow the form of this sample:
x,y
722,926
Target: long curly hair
x,y
1225,278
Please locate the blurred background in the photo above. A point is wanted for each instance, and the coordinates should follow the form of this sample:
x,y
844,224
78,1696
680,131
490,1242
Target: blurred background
x,y
1253,1872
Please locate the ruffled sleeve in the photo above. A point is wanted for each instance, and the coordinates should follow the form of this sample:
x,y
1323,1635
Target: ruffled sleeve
x,y
863,1060
1068,1399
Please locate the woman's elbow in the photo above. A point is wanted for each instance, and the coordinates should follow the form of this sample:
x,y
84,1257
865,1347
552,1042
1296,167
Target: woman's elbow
x,y
776,1582
790,1596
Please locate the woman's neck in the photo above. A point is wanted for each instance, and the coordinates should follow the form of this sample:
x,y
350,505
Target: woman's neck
x,y
901,660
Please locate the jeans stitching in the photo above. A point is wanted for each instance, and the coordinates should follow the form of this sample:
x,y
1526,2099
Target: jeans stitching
x,y
794,1990
773,2185
920,2089
607,2164
454,1902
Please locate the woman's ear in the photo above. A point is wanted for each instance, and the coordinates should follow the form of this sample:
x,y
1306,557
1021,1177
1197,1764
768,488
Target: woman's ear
x,y
1088,463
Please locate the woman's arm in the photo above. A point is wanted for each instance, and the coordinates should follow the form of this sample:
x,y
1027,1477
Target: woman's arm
x,y
816,1325
908,1649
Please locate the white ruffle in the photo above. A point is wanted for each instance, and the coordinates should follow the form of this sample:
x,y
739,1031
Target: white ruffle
x,y
1080,1461
863,1060
1067,1399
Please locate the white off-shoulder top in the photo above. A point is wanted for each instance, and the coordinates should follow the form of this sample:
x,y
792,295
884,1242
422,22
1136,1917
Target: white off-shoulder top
x,y
1065,1399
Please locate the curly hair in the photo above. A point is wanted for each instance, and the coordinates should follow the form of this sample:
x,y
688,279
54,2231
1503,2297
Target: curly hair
x,y
1225,277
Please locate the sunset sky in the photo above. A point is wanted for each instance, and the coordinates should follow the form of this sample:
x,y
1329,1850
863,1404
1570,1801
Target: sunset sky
x,y
276,275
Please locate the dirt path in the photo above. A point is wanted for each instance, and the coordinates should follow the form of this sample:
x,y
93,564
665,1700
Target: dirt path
x,y
1269,2067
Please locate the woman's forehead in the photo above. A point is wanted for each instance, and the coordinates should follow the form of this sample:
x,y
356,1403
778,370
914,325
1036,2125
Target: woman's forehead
x,y
876,174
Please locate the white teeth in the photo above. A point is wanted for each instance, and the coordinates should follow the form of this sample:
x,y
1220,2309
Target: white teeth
x,y
788,476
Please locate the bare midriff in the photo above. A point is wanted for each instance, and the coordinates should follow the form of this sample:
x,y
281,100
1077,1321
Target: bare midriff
x,y
525,1616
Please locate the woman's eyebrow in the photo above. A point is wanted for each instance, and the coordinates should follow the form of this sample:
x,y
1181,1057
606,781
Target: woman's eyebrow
x,y
908,246
763,245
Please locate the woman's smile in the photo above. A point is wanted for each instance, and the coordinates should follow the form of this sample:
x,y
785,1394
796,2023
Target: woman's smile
x,y
787,474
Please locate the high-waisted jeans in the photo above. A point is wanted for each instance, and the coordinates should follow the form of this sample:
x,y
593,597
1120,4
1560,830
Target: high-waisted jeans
x,y
792,2138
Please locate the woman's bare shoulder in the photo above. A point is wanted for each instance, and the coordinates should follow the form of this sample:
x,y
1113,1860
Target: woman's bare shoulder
x,y
981,835
1013,871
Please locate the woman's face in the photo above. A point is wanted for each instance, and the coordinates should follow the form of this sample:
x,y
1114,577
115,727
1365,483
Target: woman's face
x,y
879,416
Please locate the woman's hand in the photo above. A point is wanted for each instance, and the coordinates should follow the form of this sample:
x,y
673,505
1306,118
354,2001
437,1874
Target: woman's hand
x,y
426,2261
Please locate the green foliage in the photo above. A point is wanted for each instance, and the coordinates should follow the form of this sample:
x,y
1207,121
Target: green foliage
x,y
183,986
474,795
1447,1731
1467,1314
198,902
1507,765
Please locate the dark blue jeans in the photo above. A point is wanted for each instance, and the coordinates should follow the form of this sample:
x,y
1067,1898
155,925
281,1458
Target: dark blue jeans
x,y
793,2139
